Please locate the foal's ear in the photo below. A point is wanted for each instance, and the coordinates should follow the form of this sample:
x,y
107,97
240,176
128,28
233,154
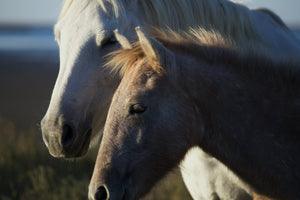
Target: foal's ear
x,y
155,50
125,44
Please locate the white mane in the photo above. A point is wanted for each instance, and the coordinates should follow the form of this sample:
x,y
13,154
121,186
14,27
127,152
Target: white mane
x,y
225,16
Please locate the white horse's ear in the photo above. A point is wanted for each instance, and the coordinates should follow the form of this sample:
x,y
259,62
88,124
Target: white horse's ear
x,y
155,50
125,44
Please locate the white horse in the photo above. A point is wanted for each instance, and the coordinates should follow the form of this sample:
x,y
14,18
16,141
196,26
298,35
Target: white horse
x,y
83,89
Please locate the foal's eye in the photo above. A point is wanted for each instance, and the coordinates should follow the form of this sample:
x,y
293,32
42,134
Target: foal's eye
x,y
137,108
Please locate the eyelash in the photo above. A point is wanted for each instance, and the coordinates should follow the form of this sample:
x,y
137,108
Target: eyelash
x,y
137,109
106,42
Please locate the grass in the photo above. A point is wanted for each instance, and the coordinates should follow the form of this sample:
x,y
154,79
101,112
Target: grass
x,y
29,172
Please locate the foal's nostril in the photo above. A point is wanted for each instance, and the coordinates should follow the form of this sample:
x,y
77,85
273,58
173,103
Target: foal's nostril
x,y
68,135
101,193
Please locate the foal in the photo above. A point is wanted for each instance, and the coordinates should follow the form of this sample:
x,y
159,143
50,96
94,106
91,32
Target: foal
x,y
178,93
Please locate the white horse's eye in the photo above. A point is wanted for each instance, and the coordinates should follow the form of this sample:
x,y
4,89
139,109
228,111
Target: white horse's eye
x,y
137,108
108,41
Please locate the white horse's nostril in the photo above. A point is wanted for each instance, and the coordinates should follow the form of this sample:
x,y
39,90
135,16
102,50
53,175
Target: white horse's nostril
x,y
68,136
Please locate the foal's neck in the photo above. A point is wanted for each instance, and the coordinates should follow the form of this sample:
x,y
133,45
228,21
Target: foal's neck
x,y
246,125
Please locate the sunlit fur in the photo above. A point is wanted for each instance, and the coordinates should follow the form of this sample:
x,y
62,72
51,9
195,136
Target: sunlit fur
x,y
240,107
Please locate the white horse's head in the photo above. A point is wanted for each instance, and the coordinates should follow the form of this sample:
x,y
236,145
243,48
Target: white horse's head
x,y
83,88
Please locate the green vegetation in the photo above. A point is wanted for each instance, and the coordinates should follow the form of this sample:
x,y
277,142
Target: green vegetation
x,y
28,172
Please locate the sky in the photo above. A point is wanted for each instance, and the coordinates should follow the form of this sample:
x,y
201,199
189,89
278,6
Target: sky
x,y
45,12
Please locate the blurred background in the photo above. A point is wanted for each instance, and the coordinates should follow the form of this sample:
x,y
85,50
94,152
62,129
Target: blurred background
x,y
29,62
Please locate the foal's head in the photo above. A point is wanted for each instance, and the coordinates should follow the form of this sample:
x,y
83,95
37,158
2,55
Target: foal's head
x,y
144,135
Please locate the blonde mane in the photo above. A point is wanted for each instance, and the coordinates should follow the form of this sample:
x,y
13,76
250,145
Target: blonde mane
x,y
208,46
119,61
